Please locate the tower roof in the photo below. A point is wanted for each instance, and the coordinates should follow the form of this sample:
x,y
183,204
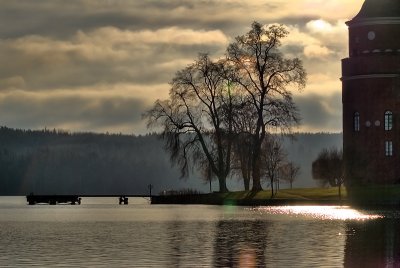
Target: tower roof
x,y
379,8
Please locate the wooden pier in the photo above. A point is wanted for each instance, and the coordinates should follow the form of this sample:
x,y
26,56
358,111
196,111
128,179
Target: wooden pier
x,y
33,199
53,199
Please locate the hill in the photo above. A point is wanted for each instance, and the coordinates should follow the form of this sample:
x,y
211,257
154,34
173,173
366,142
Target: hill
x,y
58,162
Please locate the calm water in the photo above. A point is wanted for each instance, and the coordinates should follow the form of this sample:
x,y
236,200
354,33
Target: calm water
x,y
101,233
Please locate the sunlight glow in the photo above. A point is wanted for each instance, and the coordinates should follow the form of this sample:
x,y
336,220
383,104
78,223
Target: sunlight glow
x,y
319,25
319,212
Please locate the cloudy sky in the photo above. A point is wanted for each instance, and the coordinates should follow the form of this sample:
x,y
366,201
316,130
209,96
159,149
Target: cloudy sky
x,y
97,65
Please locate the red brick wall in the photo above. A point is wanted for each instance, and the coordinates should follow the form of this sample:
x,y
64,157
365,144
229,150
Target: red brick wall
x,y
371,86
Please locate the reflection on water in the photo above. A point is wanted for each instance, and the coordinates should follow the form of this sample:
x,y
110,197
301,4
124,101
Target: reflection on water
x,y
240,243
189,245
104,234
373,244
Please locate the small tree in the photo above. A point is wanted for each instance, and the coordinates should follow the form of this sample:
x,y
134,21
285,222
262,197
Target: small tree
x,y
328,168
207,174
289,172
273,156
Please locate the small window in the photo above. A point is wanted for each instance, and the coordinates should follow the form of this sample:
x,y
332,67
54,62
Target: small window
x,y
388,120
388,148
356,121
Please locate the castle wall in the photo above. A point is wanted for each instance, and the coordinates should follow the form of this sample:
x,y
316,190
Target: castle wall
x,y
371,90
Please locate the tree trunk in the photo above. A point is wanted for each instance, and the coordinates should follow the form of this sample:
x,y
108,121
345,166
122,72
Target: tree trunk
x,y
272,187
246,182
256,170
256,180
222,185
246,179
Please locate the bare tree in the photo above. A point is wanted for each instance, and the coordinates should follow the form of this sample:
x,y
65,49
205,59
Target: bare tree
x,y
273,156
197,118
328,168
265,75
289,172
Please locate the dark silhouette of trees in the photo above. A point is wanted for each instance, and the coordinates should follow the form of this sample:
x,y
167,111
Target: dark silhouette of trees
x,y
328,169
219,113
48,162
55,162
197,118
265,75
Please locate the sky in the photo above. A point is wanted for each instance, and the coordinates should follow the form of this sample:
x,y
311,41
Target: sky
x,y
98,65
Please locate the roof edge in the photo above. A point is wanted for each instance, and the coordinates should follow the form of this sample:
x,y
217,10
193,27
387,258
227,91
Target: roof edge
x,y
373,21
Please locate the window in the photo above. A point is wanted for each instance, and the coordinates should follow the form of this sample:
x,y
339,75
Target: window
x,y
356,121
388,120
388,148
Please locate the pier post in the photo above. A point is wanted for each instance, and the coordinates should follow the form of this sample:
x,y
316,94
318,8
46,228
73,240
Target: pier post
x,y
123,200
150,186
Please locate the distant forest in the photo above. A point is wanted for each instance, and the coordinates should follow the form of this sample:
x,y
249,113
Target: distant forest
x,y
58,162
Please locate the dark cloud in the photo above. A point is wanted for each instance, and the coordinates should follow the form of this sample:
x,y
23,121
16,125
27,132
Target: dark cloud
x,y
89,113
299,21
48,64
320,112
45,17
73,47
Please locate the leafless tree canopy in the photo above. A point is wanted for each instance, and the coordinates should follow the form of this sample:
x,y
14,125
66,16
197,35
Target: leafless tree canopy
x,y
219,112
197,118
289,172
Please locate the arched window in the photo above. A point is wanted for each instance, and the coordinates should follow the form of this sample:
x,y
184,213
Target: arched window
x,y
356,121
388,120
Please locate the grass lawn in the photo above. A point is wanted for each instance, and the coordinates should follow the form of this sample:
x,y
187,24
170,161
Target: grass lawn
x,y
385,194
361,195
248,198
330,193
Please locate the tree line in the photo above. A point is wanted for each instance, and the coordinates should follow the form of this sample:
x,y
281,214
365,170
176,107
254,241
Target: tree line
x,y
59,162
224,114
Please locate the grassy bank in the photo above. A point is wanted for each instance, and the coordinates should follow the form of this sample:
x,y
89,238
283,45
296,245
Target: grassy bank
x,y
283,197
298,194
375,194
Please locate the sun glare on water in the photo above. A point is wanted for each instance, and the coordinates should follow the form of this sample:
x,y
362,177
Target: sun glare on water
x,y
319,212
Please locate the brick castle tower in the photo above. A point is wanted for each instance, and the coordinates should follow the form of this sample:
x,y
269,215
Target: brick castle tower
x,y
371,95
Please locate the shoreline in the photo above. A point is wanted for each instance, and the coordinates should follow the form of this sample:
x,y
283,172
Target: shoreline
x,y
215,199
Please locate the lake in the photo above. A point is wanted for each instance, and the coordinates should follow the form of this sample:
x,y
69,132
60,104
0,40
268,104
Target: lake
x,y
101,233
